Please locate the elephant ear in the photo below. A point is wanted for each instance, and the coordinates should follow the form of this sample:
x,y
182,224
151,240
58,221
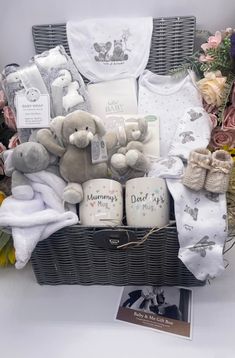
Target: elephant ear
x,y
8,164
100,128
46,137
56,127
143,127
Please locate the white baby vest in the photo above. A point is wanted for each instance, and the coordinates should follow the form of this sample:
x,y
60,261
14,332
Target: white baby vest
x,y
168,97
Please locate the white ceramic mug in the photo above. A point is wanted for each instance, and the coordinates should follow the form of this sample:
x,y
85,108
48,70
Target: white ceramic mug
x,y
102,204
147,202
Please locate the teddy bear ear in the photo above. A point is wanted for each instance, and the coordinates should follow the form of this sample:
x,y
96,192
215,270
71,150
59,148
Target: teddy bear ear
x,y
143,126
121,136
100,128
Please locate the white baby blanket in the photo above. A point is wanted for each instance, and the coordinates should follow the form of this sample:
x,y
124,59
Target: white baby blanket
x,y
201,219
168,97
113,97
110,48
34,220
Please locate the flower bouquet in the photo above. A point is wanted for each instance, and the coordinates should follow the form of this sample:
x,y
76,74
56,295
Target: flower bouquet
x,y
215,66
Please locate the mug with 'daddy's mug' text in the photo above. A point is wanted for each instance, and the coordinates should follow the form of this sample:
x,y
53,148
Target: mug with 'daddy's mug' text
x,y
147,202
102,204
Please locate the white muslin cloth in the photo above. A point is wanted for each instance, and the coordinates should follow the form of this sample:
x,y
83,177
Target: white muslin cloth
x,y
201,219
34,220
110,48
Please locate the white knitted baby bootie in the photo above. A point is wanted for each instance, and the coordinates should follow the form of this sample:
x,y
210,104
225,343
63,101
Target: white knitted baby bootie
x,y
195,173
217,179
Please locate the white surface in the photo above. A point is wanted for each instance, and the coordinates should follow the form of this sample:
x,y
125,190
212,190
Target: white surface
x,y
77,321
19,16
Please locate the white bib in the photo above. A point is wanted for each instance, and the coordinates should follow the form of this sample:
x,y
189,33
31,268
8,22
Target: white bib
x,y
110,48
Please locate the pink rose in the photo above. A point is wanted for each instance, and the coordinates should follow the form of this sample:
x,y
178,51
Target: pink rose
x,y
212,42
213,119
9,118
2,99
229,118
209,108
220,138
14,141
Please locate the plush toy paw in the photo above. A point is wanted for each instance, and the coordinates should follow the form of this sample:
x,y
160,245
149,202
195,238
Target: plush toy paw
x,y
137,160
132,157
73,193
118,161
23,192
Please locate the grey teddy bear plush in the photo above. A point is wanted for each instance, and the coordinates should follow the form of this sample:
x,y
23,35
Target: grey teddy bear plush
x,y
125,147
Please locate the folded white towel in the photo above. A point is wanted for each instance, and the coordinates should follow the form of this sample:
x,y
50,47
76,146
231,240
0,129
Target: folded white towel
x,y
110,48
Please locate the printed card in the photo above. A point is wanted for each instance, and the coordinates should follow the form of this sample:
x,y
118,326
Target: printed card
x,y
164,309
33,109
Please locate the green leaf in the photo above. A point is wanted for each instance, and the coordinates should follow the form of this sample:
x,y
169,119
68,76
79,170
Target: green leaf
x,y
4,238
225,98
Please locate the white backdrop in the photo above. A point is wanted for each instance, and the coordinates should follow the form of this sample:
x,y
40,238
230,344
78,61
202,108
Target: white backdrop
x,y
18,16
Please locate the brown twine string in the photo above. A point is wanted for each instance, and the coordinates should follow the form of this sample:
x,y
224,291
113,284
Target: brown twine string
x,y
138,243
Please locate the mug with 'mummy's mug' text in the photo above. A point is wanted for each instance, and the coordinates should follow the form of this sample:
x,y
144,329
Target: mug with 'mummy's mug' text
x,y
102,204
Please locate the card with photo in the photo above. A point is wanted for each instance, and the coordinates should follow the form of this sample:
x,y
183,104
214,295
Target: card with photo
x,y
165,309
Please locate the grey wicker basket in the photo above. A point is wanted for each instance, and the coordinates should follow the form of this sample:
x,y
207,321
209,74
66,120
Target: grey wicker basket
x,y
77,254
72,256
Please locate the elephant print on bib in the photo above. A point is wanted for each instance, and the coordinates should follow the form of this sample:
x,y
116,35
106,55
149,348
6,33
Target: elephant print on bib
x,y
113,51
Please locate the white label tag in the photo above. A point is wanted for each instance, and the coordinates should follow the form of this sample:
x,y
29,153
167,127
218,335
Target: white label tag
x,y
98,150
33,109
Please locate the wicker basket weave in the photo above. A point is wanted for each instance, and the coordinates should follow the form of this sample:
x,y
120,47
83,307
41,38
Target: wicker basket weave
x,y
71,256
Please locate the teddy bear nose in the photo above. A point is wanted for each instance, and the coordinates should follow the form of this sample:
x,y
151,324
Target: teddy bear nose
x,y
136,135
